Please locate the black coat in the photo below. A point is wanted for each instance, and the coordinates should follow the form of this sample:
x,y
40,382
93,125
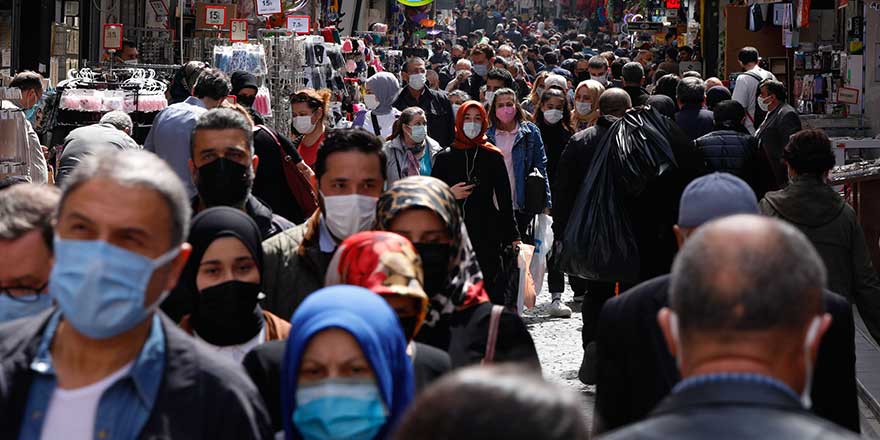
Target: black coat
x,y
773,135
638,95
695,121
731,410
438,110
636,371
201,396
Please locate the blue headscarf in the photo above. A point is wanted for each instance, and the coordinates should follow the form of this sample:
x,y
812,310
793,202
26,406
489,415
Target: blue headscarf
x,y
375,327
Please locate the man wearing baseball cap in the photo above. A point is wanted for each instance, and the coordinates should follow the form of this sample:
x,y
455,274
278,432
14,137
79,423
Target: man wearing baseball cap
x,y
635,370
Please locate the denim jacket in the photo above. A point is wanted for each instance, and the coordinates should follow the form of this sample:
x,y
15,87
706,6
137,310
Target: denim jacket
x,y
528,152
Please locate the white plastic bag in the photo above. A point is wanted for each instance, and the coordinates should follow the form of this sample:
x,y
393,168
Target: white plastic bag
x,y
526,294
543,247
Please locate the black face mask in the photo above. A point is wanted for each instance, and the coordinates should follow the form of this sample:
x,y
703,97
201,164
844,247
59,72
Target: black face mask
x,y
408,323
227,314
224,182
435,263
247,101
583,76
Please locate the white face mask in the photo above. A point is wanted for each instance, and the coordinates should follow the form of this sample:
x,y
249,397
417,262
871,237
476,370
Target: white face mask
x,y
472,129
417,81
349,214
455,108
763,104
583,108
812,334
303,124
602,78
371,101
489,97
553,116
418,133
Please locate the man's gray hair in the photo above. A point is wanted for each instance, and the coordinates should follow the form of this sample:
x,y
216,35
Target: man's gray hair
x,y
140,169
727,280
223,119
27,207
118,119
614,102
464,62
691,91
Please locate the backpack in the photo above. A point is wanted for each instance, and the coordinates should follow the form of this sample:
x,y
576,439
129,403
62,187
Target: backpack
x,y
759,115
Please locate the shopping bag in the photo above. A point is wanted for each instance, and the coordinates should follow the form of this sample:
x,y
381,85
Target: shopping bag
x,y
526,294
543,247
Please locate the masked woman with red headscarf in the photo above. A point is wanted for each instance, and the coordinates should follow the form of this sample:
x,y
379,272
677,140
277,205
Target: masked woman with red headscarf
x,y
475,170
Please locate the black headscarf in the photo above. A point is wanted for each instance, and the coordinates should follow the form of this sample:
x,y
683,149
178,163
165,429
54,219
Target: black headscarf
x,y
207,226
663,104
715,95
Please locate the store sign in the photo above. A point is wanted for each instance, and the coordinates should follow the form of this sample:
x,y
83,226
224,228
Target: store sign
x,y
299,23
847,95
647,26
268,7
215,15
112,36
238,30
71,9
673,4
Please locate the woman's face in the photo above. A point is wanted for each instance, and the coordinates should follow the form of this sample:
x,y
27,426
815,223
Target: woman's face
x,y
473,115
583,95
553,104
421,226
502,101
303,109
226,259
333,354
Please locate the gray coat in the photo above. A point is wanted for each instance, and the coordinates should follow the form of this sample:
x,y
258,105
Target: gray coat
x,y
395,153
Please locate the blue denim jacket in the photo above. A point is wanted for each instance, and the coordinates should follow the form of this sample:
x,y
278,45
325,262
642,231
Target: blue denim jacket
x,y
528,152
124,408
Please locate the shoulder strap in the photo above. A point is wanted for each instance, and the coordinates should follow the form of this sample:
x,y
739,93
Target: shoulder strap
x,y
376,129
494,320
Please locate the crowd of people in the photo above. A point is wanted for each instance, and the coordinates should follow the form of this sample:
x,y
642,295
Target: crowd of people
x,y
231,280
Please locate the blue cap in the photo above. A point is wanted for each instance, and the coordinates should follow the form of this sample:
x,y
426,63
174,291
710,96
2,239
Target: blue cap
x,y
714,196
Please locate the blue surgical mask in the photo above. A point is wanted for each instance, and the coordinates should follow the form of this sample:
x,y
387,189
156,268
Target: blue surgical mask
x,y
481,69
100,287
350,409
31,115
24,305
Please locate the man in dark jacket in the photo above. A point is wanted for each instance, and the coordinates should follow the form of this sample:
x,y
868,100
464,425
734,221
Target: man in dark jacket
x,y
633,75
745,324
438,109
809,203
625,395
692,118
729,148
125,371
781,122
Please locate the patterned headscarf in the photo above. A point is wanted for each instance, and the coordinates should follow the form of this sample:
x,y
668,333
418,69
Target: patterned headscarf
x,y
465,284
385,263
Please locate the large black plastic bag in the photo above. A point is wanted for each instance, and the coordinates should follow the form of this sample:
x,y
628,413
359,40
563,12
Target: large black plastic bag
x,y
599,243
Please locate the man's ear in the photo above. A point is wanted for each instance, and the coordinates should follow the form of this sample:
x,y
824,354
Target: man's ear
x,y
255,161
177,265
664,317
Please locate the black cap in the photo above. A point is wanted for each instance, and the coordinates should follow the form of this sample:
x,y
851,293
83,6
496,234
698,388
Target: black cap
x,y
243,80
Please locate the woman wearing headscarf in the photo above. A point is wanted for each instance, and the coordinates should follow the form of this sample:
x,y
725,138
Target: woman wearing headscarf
x,y
715,95
409,150
346,374
382,89
389,265
221,279
424,210
475,171
586,104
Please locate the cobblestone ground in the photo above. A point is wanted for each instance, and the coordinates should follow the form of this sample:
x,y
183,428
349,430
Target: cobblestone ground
x,y
558,341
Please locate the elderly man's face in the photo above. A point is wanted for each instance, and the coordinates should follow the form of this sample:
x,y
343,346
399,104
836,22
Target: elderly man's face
x,y
136,219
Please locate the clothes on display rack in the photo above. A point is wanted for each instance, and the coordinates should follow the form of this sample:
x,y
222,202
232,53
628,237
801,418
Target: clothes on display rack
x,y
244,57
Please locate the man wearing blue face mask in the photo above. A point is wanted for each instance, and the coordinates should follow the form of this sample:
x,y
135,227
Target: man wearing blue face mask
x,y
351,170
104,363
26,212
31,86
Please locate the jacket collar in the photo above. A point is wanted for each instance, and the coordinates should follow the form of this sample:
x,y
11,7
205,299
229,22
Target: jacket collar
x,y
731,392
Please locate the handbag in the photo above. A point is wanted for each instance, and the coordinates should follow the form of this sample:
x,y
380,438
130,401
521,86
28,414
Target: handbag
x,y
492,340
297,183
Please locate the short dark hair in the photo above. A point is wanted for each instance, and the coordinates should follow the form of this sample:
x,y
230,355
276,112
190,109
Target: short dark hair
x,y
617,66
27,80
484,49
349,139
28,207
212,83
514,403
778,279
687,49
748,55
550,58
775,88
727,113
501,74
672,53
633,72
809,152
222,119
597,62
691,91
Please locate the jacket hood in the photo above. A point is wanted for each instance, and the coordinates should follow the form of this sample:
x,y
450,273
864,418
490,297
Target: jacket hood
x,y
807,201
385,86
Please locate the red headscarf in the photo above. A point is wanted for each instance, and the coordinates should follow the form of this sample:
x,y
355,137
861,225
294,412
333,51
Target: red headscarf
x,y
462,142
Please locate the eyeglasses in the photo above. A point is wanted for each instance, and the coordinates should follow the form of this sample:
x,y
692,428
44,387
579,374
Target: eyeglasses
x,y
24,293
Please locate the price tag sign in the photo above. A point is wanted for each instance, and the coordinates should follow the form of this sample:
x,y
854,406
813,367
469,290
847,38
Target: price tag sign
x,y
71,9
215,15
299,23
238,30
848,95
112,37
268,7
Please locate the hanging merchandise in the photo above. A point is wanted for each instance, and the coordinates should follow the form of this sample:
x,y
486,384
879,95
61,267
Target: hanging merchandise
x,y
245,57
756,18
15,157
263,102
